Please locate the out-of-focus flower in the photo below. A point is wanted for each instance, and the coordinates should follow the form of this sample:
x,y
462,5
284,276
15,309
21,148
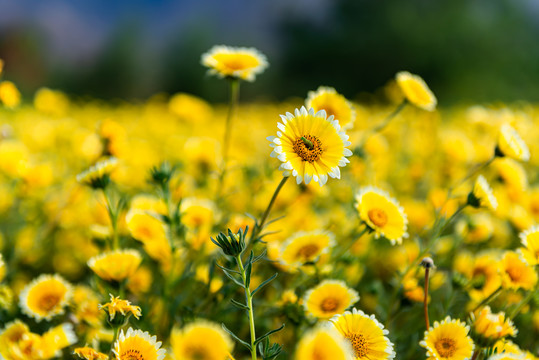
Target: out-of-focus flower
x,y
448,340
139,345
323,343
98,176
51,102
9,94
310,146
306,247
124,307
57,338
481,195
45,297
416,90
2,268
530,240
329,298
510,144
116,265
382,214
201,339
328,99
190,108
516,273
88,353
492,327
366,334
235,62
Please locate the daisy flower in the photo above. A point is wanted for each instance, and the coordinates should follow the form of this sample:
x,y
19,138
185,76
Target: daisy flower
x,y
416,90
310,146
329,298
448,340
323,343
98,175
9,94
328,99
88,353
510,144
201,340
530,239
366,334
516,273
382,214
45,297
481,195
124,307
507,356
137,345
115,265
306,247
492,326
234,62
56,339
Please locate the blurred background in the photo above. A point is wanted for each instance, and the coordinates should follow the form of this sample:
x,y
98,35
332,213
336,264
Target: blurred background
x,y
466,50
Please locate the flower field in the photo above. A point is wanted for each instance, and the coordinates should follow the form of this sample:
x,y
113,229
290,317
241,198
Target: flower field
x,y
310,229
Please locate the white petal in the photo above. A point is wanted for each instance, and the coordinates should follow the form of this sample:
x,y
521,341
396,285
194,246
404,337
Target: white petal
x,y
347,152
308,178
282,157
298,179
271,138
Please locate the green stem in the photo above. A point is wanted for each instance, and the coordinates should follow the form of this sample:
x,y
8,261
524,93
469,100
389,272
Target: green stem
x,y
476,353
116,330
488,299
523,303
470,174
260,226
249,300
426,299
381,126
113,215
355,236
234,99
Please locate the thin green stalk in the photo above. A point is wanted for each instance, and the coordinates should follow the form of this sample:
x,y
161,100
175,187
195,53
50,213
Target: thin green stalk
x,y
386,121
260,226
354,237
249,300
113,215
426,299
470,174
234,99
488,299
116,330
523,303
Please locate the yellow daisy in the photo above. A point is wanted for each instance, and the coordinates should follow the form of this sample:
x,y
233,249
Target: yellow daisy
x,y
481,195
530,239
235,62
45,297
510,144
328,99
382,214
448,340
329,298
366,334
491,326
306,247
416,90
516,273
507,356
311,146
324,343
9,94
511,173
201,339
56,339
115,265
98,175
90,354
138,345
124,307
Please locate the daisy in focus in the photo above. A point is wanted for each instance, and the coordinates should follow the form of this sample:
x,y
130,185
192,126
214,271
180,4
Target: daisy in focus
x,y
234,62
416,90
329,298
45,297
366,334
310,146
323,344
201,340
382,214
138,345
328,99
448,340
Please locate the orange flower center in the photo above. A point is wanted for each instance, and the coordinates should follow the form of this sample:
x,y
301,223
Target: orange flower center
x,y
446,347
515,273
49,302
378,217
359,343
308,147
329,304
307,251
196,353
132,354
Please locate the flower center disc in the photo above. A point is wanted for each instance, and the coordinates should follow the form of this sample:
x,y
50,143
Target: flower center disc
x,y
48,302
445,347
132,354
305,151
359,344
307,251
329,304
378,217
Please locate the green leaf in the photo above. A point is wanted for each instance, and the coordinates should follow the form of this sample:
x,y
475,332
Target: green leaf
x,y
267,281
268,334
239,305
231,277
249,269
227,269
259,256
235,337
